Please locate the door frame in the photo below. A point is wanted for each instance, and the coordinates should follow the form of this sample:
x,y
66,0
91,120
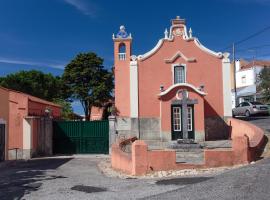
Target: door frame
x,y
2,121
191,134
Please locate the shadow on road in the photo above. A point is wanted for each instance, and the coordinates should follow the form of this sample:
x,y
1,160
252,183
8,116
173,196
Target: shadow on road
x,y
22,177
252,118
182,181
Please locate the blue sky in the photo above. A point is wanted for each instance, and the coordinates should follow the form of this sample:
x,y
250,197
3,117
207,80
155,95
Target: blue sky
x,y
47,34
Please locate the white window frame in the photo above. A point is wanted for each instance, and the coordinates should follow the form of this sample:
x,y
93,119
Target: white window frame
x,y
179,65
180,118
244,79
190,108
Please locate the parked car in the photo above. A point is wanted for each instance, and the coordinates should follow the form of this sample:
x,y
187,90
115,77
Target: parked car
x,y
250,108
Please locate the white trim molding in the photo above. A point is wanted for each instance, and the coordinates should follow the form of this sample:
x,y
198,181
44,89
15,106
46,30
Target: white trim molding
x,y
205,49
175,65
177,55
183,85
152,51
185,36
133,73
226,80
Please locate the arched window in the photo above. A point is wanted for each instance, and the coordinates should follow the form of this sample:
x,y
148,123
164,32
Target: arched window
x,y
122,51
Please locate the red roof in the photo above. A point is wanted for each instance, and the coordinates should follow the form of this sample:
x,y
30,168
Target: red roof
x,y
32,98
257,63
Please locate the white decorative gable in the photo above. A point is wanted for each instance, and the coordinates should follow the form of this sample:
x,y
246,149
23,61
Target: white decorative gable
x,y
177,55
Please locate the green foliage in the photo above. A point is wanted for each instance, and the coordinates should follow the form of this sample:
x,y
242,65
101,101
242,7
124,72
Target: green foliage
x,y
36,83
88,81
67,111
264,84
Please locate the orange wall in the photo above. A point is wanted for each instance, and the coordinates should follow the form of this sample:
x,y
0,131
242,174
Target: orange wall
x,y
14,106
96,113
38,109
153,72
122,79
4,104
17,111
4,110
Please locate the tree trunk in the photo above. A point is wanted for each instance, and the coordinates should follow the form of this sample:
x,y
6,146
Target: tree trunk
x,y
86,111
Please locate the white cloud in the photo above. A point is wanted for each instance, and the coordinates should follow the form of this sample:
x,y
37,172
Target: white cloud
x,y
85,7
56,65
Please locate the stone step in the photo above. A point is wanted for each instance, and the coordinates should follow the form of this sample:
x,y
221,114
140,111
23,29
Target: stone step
x,y
180,146
156,144
216,144
190,157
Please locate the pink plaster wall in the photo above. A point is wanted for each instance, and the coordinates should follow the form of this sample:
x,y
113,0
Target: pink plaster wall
x,y
38,109
153,72
4,111
18,109
121,160
247,143
14,106
122,79
96,113
241,128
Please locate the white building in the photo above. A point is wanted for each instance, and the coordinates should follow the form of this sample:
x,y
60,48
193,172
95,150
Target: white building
x,y
247,80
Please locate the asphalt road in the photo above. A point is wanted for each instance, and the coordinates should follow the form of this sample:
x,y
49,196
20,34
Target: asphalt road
x,y
260,121
79,178
247,183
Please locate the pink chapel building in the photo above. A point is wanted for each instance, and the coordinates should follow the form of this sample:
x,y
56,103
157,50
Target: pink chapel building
x,y
178,90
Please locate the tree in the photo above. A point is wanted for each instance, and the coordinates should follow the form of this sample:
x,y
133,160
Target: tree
x,y
36,83
88,81
264,84
67,110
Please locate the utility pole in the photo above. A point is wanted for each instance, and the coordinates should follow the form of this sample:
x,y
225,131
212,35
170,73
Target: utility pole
x,y
234,68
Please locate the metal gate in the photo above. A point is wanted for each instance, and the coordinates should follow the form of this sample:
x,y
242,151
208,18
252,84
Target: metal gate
x,y
81,137
2,142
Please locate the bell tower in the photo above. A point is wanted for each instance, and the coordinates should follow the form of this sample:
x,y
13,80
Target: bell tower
x,y
122,56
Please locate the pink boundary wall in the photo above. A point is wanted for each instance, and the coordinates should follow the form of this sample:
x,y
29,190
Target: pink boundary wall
x,y
247,141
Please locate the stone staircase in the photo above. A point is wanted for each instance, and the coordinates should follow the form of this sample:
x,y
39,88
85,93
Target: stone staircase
x,y
188,153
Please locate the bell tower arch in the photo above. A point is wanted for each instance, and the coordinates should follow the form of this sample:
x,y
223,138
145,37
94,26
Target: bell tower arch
x,y
122,57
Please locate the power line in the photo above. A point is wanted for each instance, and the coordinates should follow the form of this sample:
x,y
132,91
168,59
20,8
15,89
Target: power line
x,y
253,35
253,48
247,38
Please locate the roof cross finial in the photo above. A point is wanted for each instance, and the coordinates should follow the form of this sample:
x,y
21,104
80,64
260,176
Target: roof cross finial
x,y
166,34
190,33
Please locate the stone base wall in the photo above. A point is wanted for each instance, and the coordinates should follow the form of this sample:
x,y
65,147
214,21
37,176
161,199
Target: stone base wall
x,y
216,128
149,129
18,154
142,161
144,128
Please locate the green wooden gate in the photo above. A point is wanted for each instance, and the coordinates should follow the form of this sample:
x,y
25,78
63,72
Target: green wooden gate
x,y
81,137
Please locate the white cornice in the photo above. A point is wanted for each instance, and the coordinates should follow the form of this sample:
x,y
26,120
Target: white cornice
x,y
205,49
185,37
152,51
180,54
183,85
